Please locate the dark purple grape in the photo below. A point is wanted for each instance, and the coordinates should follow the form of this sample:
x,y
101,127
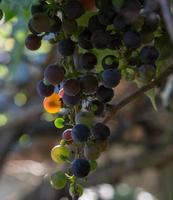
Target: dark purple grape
x,y
84,39
43,89
109,62
54,74
66,47
80,133
94,24
151,22
89,84
69,26
120,23
103,3
100,39
106,15
80,167
31,29
96,107
131,10
40,23
33,42
104,94
132,39
88,61
71,100
73,9
71,87
56,27
111,77
101,131
39,8
149,54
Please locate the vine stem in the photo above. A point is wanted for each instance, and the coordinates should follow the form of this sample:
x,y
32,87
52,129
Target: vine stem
x,y
138,93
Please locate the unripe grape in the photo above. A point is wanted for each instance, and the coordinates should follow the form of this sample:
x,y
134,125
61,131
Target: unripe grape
x,y
59,153
58,180
75,190
91,152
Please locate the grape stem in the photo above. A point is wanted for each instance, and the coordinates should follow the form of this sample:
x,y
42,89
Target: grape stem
x,y
165,7
138,93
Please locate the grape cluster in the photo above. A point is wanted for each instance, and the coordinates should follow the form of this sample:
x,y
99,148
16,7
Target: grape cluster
x,y
78,85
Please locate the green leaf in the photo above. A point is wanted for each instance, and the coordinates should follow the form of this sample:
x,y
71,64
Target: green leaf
x,y
151,94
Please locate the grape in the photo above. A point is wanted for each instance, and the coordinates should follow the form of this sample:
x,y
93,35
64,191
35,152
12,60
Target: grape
x,y
100,39
104,94
54,74
73,9
132,39
80,167
149,54
110,61
131,10
31,29
88,61
76,61
75,190
69,26
120,23
103,3
71,100
59,153
151,22
106,15
40,23
93,165
84,39
111,77
59,123
52,104
66,47
58,180
101,131
80,133
56,26
94,24
114,42
147,72
89,84
96,107
33,42
71,87
66,135
43,89
39,8
147,37
85,118
91,152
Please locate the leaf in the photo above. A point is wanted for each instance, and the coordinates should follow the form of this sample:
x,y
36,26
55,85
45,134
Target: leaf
x,y
151,94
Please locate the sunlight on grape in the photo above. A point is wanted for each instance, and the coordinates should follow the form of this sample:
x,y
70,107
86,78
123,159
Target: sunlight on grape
x,y
3,120
3,71
144,196
20,99
106,191
123,189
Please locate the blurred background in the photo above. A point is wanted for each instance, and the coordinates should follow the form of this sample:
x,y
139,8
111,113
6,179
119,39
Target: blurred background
x,y
138,165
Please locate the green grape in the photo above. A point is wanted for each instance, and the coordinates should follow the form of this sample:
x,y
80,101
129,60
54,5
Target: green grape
x,y
60,153
58,180
75,190
59,123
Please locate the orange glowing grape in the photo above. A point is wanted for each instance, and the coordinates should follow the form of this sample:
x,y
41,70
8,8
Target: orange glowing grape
x,y
52,104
